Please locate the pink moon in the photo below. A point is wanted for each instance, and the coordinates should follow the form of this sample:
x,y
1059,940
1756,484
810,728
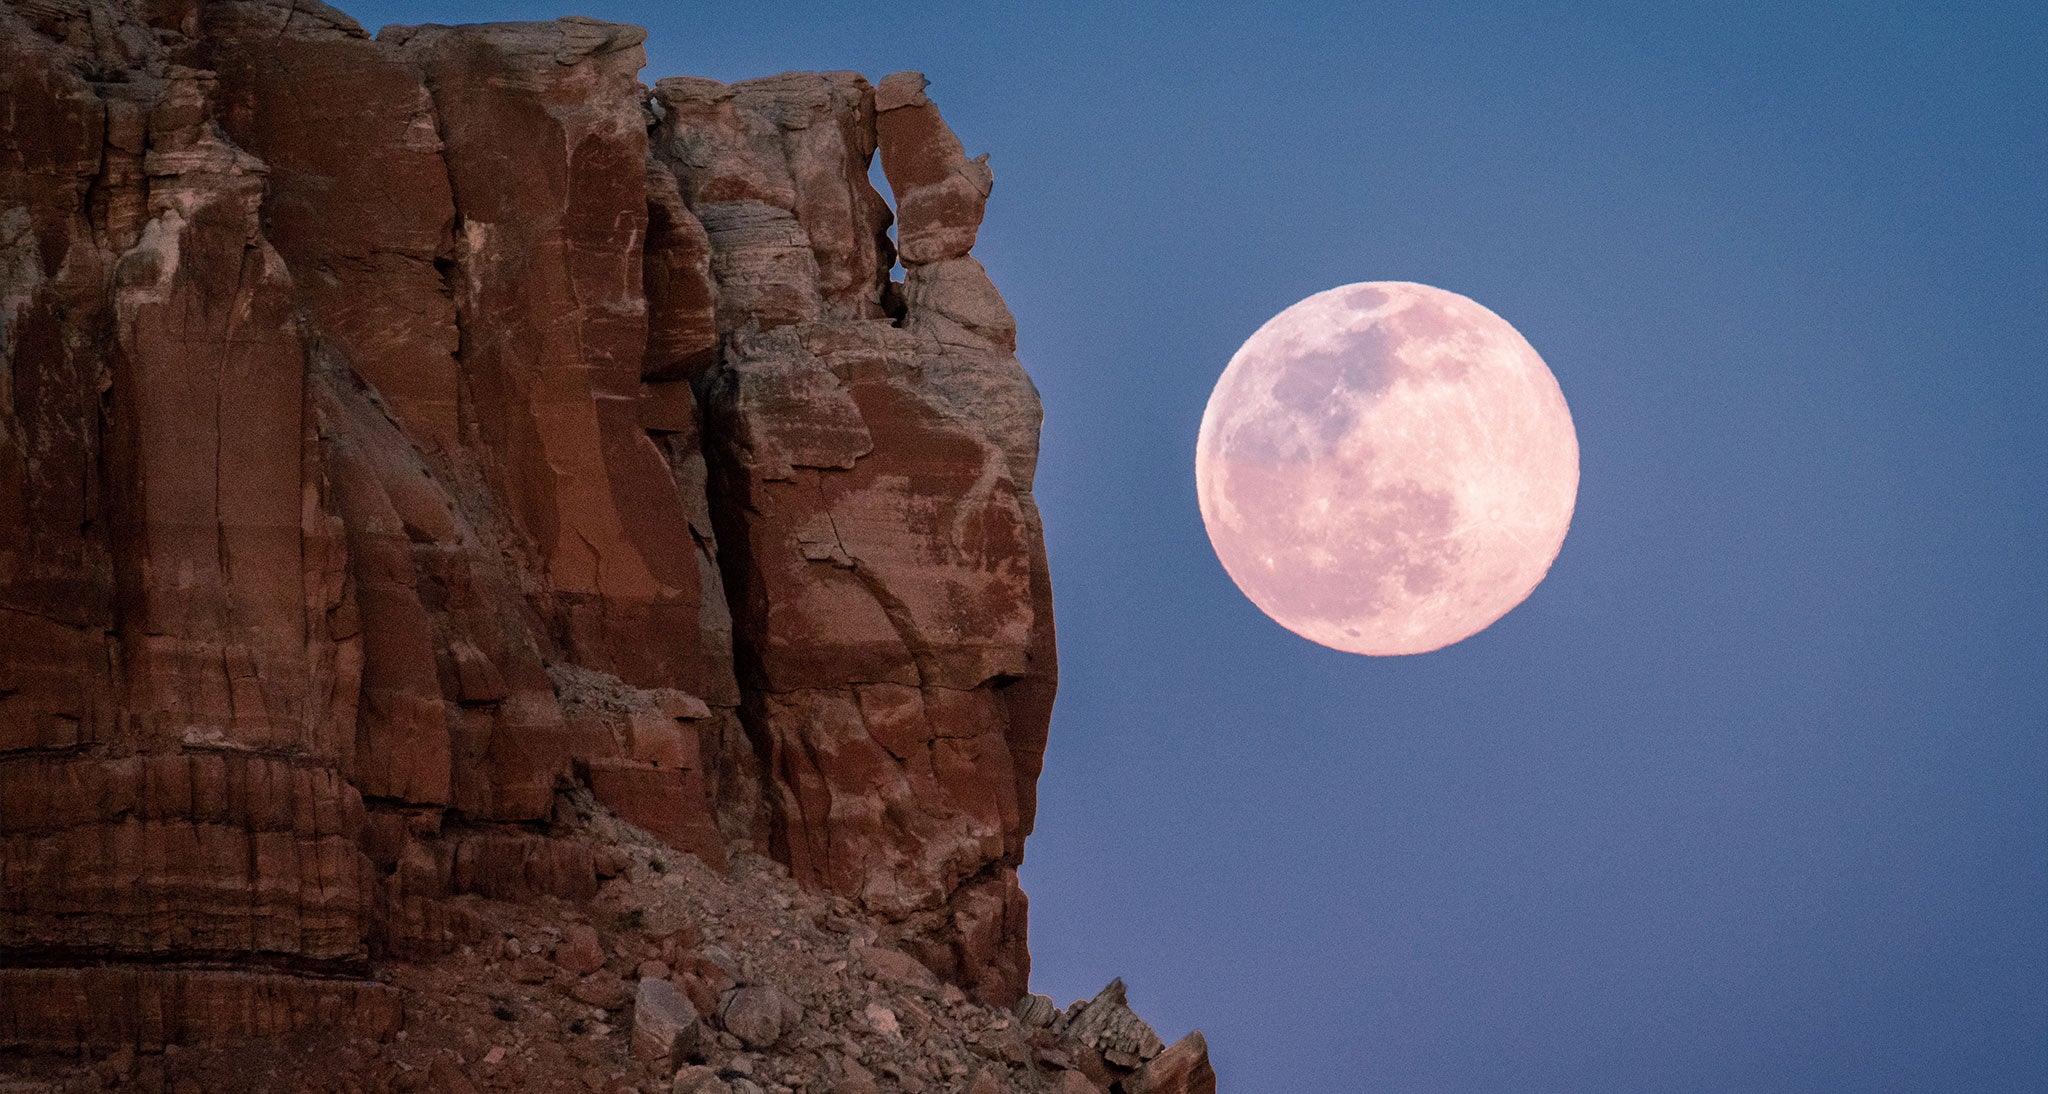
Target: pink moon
x,y
1387,468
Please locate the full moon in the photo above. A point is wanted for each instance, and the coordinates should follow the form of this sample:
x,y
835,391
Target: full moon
x,y
1387,468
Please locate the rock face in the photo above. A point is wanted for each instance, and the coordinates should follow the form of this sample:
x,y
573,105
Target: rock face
x,y
1181,1069
870,457
800,998
398,433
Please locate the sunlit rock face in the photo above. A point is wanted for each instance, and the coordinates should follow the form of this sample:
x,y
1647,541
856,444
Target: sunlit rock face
x,y
396,432
870,447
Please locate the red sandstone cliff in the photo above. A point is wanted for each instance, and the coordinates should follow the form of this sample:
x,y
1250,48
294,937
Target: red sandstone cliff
x,y
416,453
396,433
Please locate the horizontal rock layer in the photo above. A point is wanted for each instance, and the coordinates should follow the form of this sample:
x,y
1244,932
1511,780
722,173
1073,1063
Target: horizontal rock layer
x,y
397,432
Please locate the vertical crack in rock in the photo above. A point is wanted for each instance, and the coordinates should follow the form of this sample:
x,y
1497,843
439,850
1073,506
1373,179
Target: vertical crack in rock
x,y
928,577
402,437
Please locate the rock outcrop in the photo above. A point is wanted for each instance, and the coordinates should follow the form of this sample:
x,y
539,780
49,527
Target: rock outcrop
x,y
396,433
674,978
493,551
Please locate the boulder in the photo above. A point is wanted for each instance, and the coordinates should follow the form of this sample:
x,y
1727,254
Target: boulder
x,y
897,967
1106,1026
665,1024
1183,1068
600,989
1036,1011
758,1014
580,951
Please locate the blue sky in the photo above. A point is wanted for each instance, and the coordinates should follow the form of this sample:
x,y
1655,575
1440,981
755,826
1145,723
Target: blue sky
x,y
1752,794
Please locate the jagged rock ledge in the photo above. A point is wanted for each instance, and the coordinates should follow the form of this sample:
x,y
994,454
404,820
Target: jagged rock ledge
x,y
416,452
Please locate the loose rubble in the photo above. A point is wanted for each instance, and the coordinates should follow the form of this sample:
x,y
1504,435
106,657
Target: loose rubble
x,y
812,998
482,537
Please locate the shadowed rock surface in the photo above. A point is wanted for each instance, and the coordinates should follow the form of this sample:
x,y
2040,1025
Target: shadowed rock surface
x,y
397,433
673,977
420,454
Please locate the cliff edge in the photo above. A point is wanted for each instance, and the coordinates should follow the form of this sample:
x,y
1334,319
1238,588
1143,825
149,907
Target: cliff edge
x,y
413,448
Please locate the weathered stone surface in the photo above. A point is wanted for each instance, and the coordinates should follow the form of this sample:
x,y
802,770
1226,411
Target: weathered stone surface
x,y
882,1020
176,710
579,952
397,433
881,553
940,193
776,169
896,967
682,298
600,989
758,1014
1182,1069
151,1007
56,566
1035,1010
698,1080
665,1024
367,235
444,1077
554,324
1107,1027
200,854
669,803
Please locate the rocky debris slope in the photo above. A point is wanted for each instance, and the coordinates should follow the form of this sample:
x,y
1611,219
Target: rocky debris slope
x,y
674,979
399,435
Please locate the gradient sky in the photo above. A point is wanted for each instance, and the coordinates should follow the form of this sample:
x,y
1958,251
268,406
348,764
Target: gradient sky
x,y
1752,794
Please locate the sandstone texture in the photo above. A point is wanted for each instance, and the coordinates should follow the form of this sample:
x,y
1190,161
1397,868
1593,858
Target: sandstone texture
x,y
504,1009
417,450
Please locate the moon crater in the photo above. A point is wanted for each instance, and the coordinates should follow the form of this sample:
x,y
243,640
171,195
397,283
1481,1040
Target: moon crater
x,y
1387,468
